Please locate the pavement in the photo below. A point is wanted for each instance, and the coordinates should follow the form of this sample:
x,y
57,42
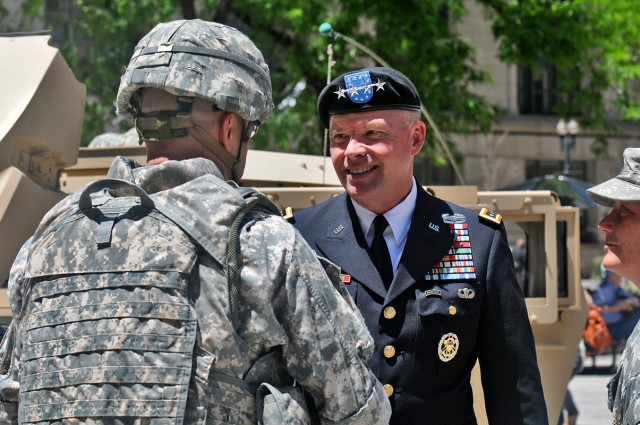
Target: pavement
x,y
589,390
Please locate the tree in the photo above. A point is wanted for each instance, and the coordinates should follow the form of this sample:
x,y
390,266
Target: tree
x,y
584,39
592,44
97,38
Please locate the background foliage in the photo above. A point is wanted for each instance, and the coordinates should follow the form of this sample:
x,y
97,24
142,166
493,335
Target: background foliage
x,y
591,43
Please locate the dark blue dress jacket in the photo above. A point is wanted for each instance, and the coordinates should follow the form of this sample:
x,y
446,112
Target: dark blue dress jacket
x,y
429,333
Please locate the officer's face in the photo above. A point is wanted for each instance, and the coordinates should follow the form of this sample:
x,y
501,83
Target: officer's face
x,y
372,153
622,240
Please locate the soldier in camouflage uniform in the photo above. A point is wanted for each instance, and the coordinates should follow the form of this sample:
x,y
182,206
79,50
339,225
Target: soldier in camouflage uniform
x,y
622,256
98,338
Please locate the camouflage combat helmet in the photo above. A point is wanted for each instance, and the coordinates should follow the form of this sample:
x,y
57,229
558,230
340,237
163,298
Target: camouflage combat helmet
x,y
195,58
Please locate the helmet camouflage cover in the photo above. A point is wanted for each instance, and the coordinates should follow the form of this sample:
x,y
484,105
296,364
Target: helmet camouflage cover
x,y
202,59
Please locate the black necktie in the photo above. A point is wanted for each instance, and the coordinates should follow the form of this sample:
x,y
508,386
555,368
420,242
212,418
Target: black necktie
x,y
380,251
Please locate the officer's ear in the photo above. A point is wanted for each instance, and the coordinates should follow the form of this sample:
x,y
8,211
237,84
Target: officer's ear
x,y
418,133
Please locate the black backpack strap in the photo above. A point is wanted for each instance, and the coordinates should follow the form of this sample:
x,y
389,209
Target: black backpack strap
x,y
231,264
116,188
258,200
254,200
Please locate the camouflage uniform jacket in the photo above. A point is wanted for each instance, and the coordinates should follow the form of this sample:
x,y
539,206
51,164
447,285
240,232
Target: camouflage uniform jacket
x,y
624,387
294,324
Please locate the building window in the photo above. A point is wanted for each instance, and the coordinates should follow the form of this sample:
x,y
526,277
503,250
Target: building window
x,y
536,90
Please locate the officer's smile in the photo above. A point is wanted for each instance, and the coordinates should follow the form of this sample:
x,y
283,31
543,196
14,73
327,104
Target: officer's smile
x,y
360,170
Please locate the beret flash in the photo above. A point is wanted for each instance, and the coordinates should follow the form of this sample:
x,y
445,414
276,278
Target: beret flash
x,y
367,90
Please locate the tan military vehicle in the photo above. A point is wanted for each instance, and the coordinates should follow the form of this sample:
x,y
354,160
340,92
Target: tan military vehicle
x,y
40,119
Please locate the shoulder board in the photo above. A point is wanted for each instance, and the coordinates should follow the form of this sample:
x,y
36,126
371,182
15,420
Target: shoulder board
x,y
288,215
491,218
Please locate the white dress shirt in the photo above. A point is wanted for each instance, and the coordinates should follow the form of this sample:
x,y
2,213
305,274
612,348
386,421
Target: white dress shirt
x,y
399,218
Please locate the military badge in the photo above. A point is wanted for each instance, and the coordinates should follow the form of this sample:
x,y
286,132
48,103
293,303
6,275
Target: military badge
x,y
359,87
458,263
288,215
433,293
490,217
455,218
466,293
448,347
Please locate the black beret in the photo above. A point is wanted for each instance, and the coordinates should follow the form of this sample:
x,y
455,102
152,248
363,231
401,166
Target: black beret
x,y
367,90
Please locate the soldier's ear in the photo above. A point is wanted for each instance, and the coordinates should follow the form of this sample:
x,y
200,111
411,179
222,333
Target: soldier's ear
x,y
231,132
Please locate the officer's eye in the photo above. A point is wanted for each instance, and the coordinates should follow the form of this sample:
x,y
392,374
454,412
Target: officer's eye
x,y
374,134
338,138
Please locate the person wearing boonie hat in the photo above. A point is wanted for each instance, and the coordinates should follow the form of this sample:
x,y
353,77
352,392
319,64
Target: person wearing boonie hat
x,y
625,186
180,308
435,282
621,228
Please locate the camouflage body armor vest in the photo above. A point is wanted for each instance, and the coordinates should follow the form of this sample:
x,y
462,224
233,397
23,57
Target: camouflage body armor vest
x,y
110,328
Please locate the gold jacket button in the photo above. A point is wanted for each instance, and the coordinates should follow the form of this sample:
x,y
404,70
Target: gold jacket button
x,y
452,310
389,313
388,389
389,351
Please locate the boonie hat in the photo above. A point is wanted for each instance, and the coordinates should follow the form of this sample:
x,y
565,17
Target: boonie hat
x,y
625,186
367,90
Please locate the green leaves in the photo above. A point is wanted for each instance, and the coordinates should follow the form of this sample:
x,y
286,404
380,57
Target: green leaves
x,y
592,44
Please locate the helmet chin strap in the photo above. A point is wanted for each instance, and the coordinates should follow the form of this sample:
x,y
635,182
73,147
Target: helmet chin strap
x,y
217,148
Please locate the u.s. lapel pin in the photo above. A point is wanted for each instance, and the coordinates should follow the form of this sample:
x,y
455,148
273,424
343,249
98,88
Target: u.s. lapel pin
x,y
338,229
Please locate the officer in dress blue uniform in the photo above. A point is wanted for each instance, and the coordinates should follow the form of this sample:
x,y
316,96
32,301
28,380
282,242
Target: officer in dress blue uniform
x,y
440,291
